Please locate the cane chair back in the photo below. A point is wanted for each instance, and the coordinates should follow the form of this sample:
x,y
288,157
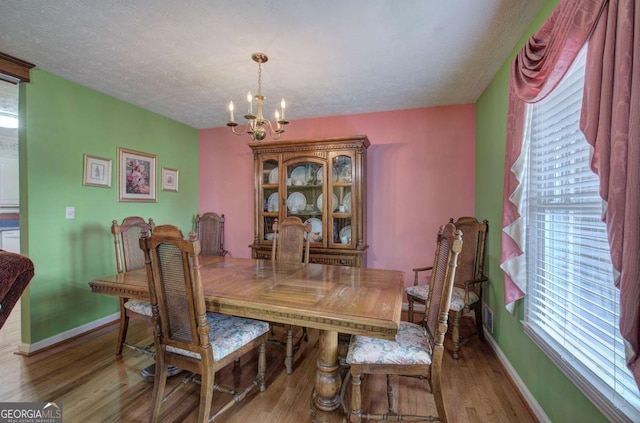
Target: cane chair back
x,y
210,230
470,278
126,236
186,335
418,348
291,240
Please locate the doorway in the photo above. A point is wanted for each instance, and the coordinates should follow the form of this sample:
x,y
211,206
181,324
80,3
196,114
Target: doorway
x,y
9,194
9,167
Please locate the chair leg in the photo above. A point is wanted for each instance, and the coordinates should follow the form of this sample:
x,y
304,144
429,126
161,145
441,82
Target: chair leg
x,y
455,333
288,357
355,415
262,364
392,408
410,312
124,325
436,390
206,393
159,383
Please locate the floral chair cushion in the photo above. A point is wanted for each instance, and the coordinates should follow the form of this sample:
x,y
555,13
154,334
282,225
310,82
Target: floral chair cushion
x,y
140,307
227,334
457,298
410,347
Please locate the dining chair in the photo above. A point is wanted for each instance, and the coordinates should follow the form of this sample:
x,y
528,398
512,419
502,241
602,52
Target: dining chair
x,y
291,240
210,230
129,257
186,335
470,278
418,348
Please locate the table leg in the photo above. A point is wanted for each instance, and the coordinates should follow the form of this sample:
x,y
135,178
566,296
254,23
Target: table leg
x,y
328,378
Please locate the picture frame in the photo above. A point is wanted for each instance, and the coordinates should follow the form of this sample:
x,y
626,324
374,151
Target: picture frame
x,y
136,176
170,179
97,171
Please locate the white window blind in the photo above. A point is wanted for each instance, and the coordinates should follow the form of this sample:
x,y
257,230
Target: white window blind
x,y
572,305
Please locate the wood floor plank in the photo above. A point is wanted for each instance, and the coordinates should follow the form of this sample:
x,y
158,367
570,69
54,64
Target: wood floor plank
x,y
96,386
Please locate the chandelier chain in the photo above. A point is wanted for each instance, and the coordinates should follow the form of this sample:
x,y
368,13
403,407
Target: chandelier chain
x,y
260,79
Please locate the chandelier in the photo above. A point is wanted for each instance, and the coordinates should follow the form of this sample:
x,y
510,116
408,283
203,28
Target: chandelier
x,y
257,126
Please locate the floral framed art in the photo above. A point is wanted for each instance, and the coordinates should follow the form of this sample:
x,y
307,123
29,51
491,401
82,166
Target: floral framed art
x,y
136,176
97,171
169,179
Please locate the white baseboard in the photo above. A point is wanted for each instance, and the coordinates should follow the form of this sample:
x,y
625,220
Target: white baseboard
x,y
28,349
515,377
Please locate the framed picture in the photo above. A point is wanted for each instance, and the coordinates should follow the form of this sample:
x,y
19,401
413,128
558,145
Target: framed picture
x,y
97,171
136,176
169,179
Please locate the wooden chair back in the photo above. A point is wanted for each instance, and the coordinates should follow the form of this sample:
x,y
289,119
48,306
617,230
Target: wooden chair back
x,y
291,240
471,259
210,230
175,290
126,238
449,246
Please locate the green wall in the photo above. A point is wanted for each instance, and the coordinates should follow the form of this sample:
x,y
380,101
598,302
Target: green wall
x,y
62,122
560,399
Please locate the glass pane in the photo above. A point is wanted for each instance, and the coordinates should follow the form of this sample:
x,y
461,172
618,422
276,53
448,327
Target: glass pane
x,y
270,172
341,202
304,195
268,227
270,197
271,202
342,170
342,230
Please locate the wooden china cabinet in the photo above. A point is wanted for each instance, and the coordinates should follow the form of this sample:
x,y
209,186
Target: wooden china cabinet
x,y
322,181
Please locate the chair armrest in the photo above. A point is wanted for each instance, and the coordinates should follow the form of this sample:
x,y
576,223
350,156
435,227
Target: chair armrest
x,y
478,281
16,272
417,270
470,285
421,269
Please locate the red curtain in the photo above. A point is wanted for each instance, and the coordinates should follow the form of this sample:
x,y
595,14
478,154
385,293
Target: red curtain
x,y
611,124
610,121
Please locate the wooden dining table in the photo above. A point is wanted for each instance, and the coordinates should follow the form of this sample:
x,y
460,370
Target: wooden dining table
x,y
333,299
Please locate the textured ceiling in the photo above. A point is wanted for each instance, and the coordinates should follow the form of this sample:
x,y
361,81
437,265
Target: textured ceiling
x,y
186,59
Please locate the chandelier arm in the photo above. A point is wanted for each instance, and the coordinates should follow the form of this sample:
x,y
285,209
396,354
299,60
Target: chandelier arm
x,y
275,132
244,131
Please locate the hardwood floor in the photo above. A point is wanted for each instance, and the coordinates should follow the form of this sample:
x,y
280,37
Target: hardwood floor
x,y
94,385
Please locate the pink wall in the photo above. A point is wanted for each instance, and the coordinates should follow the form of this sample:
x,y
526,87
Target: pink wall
x,y
421,167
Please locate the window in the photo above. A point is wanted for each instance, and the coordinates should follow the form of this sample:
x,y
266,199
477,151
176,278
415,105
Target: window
x,y
572,306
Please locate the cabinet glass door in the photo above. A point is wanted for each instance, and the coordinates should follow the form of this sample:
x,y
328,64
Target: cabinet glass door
x,y
305,196
342,204
270,197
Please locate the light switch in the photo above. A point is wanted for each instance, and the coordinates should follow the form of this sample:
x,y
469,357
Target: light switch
x,y
70,213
